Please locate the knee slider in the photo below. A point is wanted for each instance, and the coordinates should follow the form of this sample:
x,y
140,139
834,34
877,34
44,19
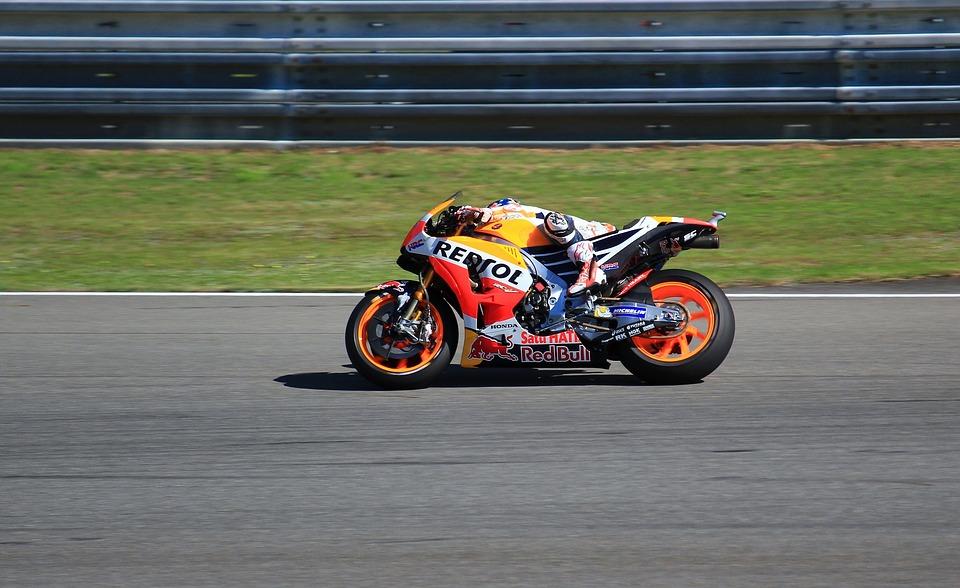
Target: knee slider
x,y
581,252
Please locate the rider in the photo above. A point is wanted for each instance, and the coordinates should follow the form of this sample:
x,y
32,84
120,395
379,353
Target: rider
x,y
562,229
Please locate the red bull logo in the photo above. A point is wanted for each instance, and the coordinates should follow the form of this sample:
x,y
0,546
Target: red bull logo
x,y
486,348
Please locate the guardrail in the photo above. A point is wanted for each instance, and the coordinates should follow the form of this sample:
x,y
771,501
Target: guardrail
x,y
479,70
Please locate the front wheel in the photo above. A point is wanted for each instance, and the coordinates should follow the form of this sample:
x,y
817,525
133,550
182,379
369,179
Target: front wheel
x,y
390,360
699,347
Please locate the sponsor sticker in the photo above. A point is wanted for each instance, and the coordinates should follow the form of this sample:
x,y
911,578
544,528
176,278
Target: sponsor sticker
x,y
504,288
564,337
482,264
554,353
486,348
613,265
631,331
630,311
634,330
387,285
415,244
562,347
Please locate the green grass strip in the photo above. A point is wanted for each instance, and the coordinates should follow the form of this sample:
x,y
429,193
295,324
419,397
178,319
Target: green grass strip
x,y
196,220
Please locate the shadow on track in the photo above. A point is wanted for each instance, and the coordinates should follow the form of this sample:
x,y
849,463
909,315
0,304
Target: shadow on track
x,y
458,377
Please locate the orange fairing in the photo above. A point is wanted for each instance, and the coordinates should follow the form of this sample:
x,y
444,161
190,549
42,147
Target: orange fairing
x,y
457,279
436,209
503,279
519,231
504,252
701,323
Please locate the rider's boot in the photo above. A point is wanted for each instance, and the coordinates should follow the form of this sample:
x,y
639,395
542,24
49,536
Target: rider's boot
x,y
590,273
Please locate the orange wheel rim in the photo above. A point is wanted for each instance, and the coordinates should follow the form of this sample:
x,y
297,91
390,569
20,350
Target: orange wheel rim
x,y
377,313
701,324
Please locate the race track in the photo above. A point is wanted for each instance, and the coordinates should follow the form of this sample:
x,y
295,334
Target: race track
x,y
223,442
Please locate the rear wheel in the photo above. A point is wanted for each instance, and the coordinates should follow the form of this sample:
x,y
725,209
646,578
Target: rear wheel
x,y
699,347
383,356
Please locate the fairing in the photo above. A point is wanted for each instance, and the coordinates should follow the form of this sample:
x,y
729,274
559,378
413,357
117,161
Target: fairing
x,y
519,231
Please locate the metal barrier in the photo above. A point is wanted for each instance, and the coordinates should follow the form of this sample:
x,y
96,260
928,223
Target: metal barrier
x,y
479,70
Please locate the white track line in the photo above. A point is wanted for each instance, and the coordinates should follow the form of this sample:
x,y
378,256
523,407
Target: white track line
x,y
745,295
195,294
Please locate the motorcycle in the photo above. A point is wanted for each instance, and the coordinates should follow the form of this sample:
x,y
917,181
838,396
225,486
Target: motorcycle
x,y
508,282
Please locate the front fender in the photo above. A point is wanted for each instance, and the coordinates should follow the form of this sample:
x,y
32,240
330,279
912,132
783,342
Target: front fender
x,y
407,287
396,287
404,289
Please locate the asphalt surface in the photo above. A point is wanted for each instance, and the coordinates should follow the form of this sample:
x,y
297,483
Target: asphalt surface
x,y
224,442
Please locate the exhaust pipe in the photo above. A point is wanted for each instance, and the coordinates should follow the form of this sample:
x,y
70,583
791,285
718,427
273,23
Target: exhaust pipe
x,y
705,242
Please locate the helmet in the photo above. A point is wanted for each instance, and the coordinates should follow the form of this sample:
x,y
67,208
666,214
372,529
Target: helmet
x,y
559,227
503,202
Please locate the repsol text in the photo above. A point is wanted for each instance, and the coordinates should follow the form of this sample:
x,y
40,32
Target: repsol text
x,y
481,264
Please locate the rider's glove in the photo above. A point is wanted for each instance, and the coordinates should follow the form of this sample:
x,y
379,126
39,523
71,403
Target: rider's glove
x,y
472,214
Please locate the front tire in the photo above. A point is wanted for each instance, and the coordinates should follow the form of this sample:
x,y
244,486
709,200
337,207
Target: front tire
x,y
415,365
696,351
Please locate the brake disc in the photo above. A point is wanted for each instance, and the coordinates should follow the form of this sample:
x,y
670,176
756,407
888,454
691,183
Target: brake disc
x,y
385,342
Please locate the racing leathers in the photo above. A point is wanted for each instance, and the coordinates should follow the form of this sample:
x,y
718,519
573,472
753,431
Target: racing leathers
x,y
562,229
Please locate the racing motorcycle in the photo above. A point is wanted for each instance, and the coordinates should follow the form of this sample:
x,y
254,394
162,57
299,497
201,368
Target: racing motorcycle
x,y
508,282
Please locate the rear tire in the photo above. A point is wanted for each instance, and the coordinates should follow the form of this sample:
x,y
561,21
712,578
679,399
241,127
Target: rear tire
x,y
700,348
417,371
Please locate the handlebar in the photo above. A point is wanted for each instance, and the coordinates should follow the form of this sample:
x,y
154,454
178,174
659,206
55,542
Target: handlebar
x,y
447,224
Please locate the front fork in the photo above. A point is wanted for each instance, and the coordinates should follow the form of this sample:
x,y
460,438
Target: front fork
x,y
414,321
413,308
